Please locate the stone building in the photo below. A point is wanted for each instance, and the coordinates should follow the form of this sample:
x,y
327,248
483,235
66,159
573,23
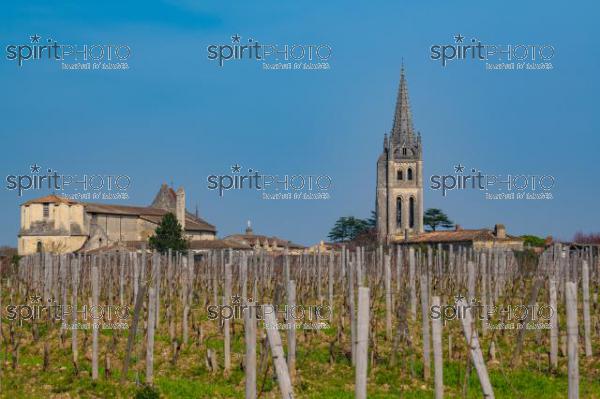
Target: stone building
x,y
478,239
399,192
399,195
56,224
265,243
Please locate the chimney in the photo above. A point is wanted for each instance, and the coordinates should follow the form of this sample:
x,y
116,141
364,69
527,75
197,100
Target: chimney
x,y
500,231
457,227
180,207
249,228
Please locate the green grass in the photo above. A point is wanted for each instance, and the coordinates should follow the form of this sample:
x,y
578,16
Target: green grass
x,y
316,376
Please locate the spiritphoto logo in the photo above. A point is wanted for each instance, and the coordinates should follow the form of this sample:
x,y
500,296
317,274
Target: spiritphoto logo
x,y
495,186
96,56
88,186
80,317
276,187
294,56
520,56
293,316
512,317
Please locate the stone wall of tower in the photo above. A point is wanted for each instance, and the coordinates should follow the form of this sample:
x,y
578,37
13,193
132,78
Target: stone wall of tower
x,y
180,207
402,152
381,198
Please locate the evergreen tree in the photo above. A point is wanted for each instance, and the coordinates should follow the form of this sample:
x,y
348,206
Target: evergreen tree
x,y
168,234
434,217
348,228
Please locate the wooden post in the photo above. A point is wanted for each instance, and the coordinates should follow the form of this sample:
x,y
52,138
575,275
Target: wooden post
x,y
151,325
425,326
471,280
351,310
156,272
388,298
330,284
186,297
475,350
226,323
75,263
283,377
358,265
319,294
585,282
95,294
291,332
244,273
136,275
484,290
412,283
553,324
572,339
398,267
286,266
122,279
438,363
362,343
250,337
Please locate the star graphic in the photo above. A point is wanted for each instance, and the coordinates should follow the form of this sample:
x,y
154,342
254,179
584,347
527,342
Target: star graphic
x,y
35,38
459,168
235,38
459,38
35,168
235,168
236,299
35,298
459,297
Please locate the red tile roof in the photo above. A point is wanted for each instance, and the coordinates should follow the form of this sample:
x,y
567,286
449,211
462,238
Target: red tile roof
x,y
52,199
251,240
457,236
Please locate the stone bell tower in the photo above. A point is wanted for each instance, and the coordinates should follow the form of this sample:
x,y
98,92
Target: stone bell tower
x,y
399,197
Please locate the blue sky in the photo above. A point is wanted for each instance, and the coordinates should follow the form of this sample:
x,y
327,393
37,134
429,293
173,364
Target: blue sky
x,y
177,117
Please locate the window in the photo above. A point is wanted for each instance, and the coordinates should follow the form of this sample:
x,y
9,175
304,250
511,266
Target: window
x,y
409,174
399,211
46,210
400,175
404,151
411,212
39,248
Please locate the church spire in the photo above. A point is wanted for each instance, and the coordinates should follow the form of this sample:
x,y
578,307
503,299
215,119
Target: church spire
x,y
402,118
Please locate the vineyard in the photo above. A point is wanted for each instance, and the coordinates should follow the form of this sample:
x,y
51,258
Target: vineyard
x,y
385,322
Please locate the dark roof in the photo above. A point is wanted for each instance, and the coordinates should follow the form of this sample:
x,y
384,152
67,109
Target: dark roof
x,y
153,215
131,246
251,240
458,236
218,244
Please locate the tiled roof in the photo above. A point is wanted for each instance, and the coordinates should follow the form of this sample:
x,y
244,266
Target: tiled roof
x,y
52,198
123,209
193,245
218,244
154,215
458,236
191,222
251,240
